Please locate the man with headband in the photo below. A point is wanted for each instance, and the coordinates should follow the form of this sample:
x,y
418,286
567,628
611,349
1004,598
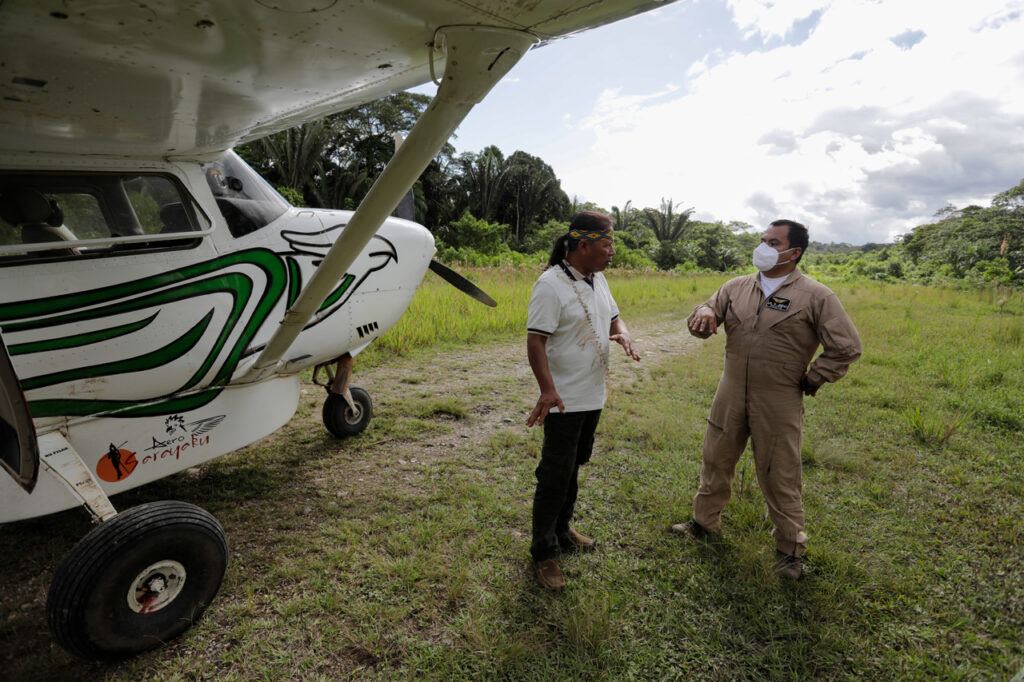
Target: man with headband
x,y
571,321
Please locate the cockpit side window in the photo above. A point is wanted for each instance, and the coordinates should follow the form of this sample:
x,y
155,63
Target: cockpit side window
x,y
246,201
92,215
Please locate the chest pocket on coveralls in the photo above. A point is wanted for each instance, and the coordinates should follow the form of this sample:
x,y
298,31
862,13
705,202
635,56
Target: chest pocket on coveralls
x,y
787,319
731,316
784,334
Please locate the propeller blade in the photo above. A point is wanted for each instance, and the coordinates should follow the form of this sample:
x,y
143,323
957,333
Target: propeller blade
x,y
461,283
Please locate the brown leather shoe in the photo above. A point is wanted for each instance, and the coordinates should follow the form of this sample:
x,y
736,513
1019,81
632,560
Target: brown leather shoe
x,y
692,529
788,566
576,541
549,575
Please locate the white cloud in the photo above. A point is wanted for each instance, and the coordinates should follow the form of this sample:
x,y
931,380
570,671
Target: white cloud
x,y
772,18
861,136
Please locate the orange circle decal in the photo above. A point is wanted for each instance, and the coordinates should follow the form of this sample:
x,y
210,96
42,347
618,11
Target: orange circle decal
x,y
116,465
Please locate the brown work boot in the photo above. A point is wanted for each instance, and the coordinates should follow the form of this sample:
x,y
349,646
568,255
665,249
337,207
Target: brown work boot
x,y
576,541
788,566
692,529
549,575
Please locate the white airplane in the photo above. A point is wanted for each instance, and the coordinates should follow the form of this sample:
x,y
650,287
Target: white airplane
x,y
158,299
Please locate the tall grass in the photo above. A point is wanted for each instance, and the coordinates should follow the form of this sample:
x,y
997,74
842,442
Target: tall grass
x,y
440,314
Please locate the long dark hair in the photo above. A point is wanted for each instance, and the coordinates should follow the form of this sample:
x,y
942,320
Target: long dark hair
x,y
584,221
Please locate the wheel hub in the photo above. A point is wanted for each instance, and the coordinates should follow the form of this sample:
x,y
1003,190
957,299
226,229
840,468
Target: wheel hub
x,y
354,414
156,586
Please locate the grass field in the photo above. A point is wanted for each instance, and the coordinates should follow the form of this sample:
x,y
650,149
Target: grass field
x,y
402,554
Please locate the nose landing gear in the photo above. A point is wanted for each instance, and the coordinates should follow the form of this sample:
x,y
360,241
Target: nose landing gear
x,y
348,409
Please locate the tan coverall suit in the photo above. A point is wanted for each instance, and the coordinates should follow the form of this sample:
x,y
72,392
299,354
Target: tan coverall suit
x,y
769,344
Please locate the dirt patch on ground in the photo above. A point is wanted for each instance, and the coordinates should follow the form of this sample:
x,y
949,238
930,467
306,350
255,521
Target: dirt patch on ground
x,y
491,383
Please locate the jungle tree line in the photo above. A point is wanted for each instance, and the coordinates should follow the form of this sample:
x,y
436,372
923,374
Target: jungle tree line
x,y
332,163
487,208
478,205
973,245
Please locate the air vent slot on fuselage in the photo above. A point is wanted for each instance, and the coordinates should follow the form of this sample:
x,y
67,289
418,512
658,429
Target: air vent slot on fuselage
x,y
367,329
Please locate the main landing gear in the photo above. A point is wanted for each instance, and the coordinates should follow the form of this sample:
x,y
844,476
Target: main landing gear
x,y
139,578
348,409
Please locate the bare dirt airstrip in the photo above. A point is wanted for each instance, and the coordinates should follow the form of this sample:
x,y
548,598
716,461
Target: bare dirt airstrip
x,y
488,388
494,381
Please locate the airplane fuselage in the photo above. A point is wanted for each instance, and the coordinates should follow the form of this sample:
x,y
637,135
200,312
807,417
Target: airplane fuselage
x,y
136,350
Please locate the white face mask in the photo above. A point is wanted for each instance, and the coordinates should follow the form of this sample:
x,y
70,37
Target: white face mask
x,y
766,258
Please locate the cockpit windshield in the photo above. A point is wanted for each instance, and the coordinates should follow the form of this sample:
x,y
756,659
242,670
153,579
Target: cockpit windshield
x,y
245,199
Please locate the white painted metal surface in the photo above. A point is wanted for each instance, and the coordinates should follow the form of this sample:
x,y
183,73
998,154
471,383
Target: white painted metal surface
x,y
174,78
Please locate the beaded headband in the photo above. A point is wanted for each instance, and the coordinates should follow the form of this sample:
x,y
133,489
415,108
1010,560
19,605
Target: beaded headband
x,y
592,235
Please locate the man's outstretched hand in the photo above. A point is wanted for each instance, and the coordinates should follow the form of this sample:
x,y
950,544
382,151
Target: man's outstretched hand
x,y
626,343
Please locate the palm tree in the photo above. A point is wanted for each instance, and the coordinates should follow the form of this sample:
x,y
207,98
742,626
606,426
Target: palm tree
x,y
532,194
296,154
623,216
341,187
667,225
483,181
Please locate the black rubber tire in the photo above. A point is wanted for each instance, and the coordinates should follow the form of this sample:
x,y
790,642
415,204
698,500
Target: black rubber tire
x,y
87,605
341,420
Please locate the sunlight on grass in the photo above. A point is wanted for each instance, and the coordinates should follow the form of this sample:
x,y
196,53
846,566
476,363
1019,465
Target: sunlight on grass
x,y
440,314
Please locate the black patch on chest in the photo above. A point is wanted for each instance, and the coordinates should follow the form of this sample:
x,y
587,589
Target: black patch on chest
x,y
778,303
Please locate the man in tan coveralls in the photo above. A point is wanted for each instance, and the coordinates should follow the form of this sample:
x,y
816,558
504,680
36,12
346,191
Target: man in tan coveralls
x,y
774,322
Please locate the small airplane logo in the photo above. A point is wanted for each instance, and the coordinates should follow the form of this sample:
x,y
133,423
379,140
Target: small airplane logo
x,y
118,464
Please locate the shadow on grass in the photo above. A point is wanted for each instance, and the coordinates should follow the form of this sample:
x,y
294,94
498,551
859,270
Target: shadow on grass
x,y
775,626
33,548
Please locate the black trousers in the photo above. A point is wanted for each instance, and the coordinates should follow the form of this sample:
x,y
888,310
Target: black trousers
x,y
568,442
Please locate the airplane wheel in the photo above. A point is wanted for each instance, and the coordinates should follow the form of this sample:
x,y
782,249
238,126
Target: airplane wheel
x,y
341,420
137,580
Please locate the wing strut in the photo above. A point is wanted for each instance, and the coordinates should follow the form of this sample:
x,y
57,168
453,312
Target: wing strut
x,y
477,57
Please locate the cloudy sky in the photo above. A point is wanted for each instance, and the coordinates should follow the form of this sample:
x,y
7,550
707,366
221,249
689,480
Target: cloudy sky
x,y
861,118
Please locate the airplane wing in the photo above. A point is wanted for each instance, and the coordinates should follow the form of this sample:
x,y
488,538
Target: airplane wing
x,y
180,78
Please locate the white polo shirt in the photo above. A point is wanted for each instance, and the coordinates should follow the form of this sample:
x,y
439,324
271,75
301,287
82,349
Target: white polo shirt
x,y
577,318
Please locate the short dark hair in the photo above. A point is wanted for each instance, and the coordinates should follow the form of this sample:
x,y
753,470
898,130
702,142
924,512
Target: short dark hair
x,y
797,235
584,221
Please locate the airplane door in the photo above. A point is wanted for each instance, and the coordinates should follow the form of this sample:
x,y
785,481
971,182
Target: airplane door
x,y
19,451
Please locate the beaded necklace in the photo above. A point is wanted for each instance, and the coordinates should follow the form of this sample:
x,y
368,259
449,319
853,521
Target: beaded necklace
x,y
593,338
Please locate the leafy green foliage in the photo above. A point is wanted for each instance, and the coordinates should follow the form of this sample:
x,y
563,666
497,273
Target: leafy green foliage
x,y
969,247
471,233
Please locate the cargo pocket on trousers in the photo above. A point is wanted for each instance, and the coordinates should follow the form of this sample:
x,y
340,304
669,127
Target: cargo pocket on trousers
x,y
718,447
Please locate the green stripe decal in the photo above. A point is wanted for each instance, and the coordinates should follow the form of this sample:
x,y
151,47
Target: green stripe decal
x,y
123,408
266,260
161,356
80,339
294,281
337,293
198,280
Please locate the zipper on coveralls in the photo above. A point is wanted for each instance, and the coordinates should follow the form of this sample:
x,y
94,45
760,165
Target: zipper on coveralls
x,y
746,374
